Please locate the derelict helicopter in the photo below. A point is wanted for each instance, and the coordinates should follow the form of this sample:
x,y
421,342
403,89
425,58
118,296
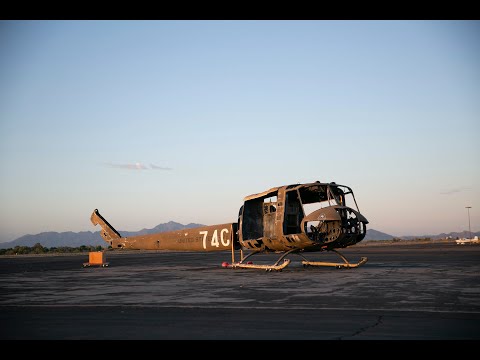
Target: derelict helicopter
x,y
291,219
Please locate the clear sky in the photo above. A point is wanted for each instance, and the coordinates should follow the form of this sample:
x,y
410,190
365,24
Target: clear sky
x,y
157,121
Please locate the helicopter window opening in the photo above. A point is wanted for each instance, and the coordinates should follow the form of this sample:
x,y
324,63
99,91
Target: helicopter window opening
x,y
322,196
293,213
309,208
338,194
311,226
270,199
252,221
270,205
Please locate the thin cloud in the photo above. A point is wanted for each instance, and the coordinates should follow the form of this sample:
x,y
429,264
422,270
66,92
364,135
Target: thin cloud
x,y
156,167
136,166
454,190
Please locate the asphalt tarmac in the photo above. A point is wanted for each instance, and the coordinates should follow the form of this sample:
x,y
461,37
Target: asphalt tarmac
x,y
404,292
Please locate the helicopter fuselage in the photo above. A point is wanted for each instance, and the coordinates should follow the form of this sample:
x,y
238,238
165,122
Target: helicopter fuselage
x,y
307,217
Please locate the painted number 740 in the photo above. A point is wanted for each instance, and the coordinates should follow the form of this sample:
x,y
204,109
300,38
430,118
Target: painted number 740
x,y
214,242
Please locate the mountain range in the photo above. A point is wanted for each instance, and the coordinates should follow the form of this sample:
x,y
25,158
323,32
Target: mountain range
x,y
76,239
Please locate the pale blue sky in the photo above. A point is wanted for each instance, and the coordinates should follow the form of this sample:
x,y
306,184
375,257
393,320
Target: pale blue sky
x,y
390,108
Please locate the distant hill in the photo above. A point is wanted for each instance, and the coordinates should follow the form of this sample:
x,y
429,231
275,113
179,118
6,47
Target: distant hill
x,y
87,238
73,239
377,235
452,235
56,239
170,226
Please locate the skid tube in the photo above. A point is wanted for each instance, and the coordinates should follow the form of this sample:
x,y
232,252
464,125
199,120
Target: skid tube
x,y
279,266
344,265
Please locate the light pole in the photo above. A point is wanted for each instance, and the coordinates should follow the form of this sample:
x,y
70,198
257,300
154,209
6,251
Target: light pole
x,y
468,210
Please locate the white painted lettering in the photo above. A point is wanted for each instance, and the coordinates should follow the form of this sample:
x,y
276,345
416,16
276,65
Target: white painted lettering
x,y
204,233
225,242
215,239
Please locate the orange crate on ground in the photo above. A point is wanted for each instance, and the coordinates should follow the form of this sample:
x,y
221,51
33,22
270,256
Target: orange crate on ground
x,y
96,257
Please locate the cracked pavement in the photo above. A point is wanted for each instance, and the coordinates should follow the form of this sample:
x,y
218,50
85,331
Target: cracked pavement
x,y
423,291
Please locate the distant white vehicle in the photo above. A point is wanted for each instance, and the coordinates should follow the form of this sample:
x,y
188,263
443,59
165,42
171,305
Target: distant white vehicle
x,y
464,241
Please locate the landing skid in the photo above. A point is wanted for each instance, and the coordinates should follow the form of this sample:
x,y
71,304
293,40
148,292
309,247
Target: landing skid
x,y
273,267
279,266
343,265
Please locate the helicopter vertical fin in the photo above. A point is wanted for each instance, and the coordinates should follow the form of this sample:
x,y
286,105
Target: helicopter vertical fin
x,y
108,232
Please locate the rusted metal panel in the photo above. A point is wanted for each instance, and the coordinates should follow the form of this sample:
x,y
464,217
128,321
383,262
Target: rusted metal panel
x,y
108,233
331,226
208,238
262,194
